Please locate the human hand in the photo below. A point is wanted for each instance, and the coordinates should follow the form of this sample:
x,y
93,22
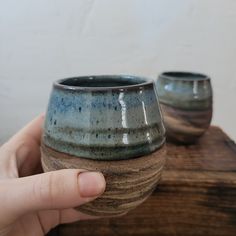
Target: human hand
x,y
32,203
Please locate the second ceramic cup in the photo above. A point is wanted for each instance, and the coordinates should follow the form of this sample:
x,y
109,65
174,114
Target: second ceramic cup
x,y
186,102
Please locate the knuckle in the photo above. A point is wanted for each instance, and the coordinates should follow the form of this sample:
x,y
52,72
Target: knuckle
x,y
45,188
56,188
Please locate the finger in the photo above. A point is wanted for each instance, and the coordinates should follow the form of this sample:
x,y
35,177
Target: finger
x,y
23,148
53,190
72,215
51,218
8,165
32,131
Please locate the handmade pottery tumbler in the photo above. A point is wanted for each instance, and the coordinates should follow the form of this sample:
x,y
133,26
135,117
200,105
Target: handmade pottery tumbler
x,y
110,124
186,102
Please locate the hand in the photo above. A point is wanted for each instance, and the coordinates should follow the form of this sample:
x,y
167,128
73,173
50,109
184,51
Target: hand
x,y
33,203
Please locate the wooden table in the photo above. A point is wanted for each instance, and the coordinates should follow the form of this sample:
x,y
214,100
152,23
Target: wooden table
x,y
197,195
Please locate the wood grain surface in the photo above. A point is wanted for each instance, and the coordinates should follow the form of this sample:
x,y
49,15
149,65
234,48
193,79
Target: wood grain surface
x,y
197,195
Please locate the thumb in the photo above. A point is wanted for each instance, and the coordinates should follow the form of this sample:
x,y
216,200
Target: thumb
x,y
53,190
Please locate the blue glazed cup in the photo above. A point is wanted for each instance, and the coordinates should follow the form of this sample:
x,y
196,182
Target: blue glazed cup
x,y
104,117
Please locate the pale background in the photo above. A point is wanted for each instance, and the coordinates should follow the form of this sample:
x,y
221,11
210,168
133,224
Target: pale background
x,y
43,40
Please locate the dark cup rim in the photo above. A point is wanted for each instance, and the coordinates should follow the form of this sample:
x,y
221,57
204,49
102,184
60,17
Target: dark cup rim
x,y
141,82
184,76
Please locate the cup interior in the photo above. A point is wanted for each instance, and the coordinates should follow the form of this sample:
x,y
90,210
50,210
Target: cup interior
x,y
181,75
102,81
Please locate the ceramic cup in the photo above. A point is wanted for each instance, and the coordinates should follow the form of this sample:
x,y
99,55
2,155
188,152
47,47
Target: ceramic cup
x,y
186,102
110,124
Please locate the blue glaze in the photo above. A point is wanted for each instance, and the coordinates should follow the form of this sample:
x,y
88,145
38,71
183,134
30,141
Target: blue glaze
x,y
104,117
185,90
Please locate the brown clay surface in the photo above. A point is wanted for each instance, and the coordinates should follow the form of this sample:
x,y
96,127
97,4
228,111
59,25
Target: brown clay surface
x,y
184,125
128,182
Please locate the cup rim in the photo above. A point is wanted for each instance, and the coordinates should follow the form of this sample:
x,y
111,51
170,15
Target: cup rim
x,y
184,76
143,82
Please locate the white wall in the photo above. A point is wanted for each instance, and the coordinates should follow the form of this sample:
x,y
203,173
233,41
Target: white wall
x,y
41,41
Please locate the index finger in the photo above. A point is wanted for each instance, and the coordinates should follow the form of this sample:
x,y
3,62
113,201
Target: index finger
x,y
24,147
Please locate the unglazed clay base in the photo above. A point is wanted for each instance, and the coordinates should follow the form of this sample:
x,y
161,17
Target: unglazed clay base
x,y
128,182
185,126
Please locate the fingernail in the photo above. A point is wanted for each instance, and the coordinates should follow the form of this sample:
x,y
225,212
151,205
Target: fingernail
x,y
91,184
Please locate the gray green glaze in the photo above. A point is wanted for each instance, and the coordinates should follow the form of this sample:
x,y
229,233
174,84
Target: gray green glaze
x,y
104,117
185,90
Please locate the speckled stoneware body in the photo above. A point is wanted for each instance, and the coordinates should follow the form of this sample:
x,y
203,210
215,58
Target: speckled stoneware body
x,y
186,102
104,117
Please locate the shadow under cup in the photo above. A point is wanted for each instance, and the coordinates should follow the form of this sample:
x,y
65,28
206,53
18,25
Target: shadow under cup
x,y
110,124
